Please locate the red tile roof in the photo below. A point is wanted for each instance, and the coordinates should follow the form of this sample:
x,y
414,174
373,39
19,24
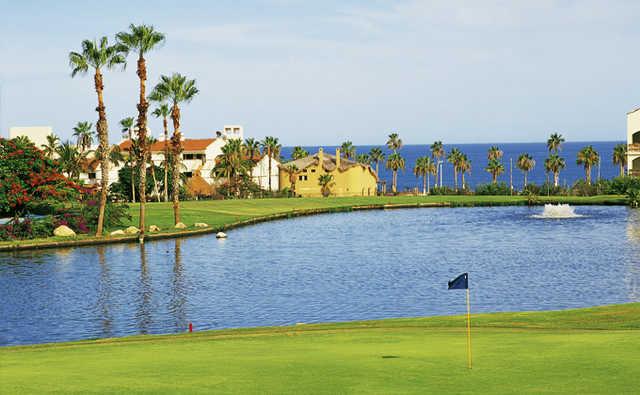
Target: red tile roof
x,y
187,145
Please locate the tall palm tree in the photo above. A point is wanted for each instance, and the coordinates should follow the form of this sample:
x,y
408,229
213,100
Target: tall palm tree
x,y
554,143
395,162
71,159
525,163
141,39
588,157
299,153
454,158
348,150
364,159
554,163
620,157
271,147
437,153
163,111
495,168
127,129
325,181
494,153
251,148
231,164
464,165
115,155
51,147
84,135
376,155
292,170
99,55
394,142
176,89
424,167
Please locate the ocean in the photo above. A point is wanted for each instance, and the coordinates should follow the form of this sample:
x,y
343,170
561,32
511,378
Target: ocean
x,y
477,153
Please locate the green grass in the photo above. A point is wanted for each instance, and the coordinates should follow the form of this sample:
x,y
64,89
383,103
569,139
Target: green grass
x,y
223,213
593,350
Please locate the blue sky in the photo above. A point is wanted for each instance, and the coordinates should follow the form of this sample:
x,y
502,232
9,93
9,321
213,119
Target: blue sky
x,y
322,72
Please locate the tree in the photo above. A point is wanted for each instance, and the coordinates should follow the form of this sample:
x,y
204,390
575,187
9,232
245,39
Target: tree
x,y
325,181
376,155
127,128
163,111
141,39
437,153
99,55
270,147
177,89
395,162
231,164
464,165
251,148
156,191
51,147
554,163
292,170
495,168
84,135
299,153
494,153
71,159
525,163
394,142
424,167
363,159
454,158
620,157
348,150
554,143
588,157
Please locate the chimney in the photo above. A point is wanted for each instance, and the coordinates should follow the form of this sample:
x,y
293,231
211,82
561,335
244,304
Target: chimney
x,y
320,157
338,157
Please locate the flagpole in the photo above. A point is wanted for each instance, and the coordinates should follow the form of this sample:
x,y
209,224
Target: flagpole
x,y
468,330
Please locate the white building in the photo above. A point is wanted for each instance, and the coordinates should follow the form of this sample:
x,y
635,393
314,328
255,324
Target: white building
x,y
260,173
37,134
633,142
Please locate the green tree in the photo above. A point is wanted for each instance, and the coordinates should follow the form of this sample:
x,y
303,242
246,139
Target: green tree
x,y
395,162
84,135
363,159
525,163
588,157
454,158
554,143
620,157
51,147
292,170
325,181
162,111
251,148
554,164
232,164
394,142
176,89
299,153
464,165
270,147
376,155
437,153
99,55
424,167
141,39
495,168
127,129
71,159
348,150
494,153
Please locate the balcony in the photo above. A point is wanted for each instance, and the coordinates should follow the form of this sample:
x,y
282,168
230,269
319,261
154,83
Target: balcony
x,y
633,148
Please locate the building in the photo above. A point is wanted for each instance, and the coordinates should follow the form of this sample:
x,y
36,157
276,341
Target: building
x,y
349,178
633,141
260,173
37,134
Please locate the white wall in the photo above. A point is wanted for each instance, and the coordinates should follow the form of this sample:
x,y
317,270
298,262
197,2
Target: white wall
x,y
260,173
37,134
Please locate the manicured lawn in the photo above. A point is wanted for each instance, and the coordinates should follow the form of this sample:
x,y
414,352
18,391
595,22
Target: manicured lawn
x,y
221,213
576,351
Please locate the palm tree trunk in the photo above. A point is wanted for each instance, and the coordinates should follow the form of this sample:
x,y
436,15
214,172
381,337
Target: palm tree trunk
x,y
393,181
462,176
102,129
424,184
156,190
494,175
526,173
166,158
556,178
142,140
455,177
587,170
621,170
131,167
428,183
176,145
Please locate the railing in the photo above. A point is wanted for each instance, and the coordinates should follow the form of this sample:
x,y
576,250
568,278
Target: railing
x,y
635,147
634,172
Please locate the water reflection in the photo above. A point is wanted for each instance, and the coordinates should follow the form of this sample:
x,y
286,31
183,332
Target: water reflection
x,y
632,274
104,294
145,293
178,300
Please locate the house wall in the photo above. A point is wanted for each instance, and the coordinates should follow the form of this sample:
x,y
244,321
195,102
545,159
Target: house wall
x,y
633,141
37,134
260,174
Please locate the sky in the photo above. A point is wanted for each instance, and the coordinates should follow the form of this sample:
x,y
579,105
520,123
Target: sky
x,y
322,72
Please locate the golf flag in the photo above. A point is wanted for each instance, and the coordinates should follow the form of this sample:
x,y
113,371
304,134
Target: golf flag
x,y
462,282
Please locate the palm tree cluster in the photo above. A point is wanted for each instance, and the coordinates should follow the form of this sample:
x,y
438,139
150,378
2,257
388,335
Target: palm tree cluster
x,y
395,161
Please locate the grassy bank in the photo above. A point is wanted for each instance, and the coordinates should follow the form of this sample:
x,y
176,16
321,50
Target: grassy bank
x,y
222,214
592,350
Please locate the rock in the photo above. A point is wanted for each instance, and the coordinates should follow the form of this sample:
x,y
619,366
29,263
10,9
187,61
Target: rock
x,y
153,228
201,225
132,230
221,235
118,232
63,231
180,225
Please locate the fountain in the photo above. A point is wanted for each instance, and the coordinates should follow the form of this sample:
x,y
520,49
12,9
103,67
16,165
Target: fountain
x,y
557,211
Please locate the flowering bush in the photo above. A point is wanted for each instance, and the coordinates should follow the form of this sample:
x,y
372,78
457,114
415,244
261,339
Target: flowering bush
x,y
26,229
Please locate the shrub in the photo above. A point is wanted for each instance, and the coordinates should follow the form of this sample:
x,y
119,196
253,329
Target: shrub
x,y
500,188
620,185
26,228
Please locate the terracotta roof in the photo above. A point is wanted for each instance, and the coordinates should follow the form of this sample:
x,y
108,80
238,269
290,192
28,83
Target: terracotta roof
x,y
187,145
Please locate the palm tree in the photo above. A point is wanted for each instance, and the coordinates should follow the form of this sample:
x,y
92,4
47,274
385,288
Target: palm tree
x,y
99,55
271,147
454,158
376,155
424,167
394,142
437,152
395,162
325,181
494,153
84,135
251,148
163,111
115,155
554,163
176,89
127,129
156,191
525,163
51,147
293,170
495,167
363,159
231,164
71,159
464,165
620,157
588,157
554,142
141,39
299,153
348,150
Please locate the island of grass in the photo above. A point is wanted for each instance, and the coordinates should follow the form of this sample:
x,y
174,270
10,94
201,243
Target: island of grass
x,y
226,214
594,350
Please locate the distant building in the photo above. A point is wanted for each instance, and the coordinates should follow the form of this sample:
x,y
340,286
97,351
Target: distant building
x,y
633,141
37,134
260,173
349,178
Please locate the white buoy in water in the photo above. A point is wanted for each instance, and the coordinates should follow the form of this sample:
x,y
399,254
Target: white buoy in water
x,y
221,235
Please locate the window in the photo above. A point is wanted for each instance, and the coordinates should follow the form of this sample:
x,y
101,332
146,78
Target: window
x,y
304,170
188,174
313,170
302,178
92,176
193,156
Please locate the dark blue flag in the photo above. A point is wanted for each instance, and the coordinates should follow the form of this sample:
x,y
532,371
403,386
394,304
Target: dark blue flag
x,y
460,282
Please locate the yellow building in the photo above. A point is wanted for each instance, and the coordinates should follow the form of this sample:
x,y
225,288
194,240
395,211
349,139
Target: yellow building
x,y
349,178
